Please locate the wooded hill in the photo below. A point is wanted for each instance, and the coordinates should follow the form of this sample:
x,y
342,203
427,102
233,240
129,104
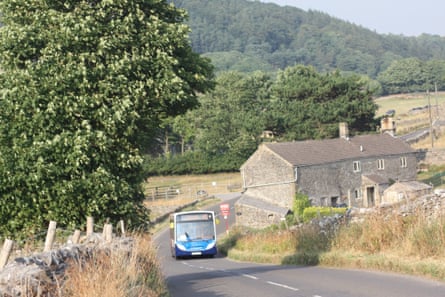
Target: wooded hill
x,y
249,35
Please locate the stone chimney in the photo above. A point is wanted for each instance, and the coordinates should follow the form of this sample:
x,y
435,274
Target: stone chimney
x,y
344,131
388,125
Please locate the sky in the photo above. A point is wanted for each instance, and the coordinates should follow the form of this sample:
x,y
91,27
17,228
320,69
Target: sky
x,y
400,17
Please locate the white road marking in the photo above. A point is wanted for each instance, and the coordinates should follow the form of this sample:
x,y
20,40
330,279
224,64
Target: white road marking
x,y
249,276
282,286
245,275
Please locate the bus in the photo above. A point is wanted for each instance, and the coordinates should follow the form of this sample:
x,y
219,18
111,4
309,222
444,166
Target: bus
x,y
193,233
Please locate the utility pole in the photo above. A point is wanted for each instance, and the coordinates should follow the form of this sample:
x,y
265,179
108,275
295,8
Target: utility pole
x,y
437,104
431,119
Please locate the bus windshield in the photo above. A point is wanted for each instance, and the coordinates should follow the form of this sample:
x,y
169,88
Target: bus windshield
x,y
195,230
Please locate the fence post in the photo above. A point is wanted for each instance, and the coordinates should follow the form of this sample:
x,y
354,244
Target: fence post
x,y
90,226
76,236
122,224
108,232
50,235
6,251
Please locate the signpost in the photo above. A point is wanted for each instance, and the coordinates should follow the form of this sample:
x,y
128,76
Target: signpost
x,y
225,211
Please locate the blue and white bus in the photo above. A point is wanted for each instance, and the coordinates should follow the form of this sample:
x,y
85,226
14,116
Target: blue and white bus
x,y
193,233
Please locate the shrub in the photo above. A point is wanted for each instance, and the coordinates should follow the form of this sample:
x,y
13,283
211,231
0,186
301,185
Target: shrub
x,y
300,203
313,212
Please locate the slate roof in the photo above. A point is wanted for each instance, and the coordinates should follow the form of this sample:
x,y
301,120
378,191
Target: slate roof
x,y
408,186
313,152
378,179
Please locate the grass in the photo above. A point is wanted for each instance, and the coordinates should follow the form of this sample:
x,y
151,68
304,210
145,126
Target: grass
x,y
403,103
111,273
187,187
189,184
159,181
407,122
118,274
409,245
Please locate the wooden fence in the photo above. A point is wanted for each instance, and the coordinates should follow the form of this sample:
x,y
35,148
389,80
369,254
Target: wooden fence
x,y
190,191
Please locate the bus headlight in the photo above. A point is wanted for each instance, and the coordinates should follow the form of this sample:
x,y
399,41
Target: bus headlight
x,y
210,245
181,247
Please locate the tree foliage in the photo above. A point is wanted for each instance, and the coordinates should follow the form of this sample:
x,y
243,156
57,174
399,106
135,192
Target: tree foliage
x,y
248,35
412,75
309,105
299,103
84,88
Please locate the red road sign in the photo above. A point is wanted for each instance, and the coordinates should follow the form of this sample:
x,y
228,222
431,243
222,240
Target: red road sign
x,y
225,209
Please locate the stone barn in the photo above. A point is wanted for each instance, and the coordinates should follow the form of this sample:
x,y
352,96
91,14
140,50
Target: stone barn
x,y
405,191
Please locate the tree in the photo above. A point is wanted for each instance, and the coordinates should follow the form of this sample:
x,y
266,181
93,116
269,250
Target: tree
x,y
84,88
309,105
229,121
407,75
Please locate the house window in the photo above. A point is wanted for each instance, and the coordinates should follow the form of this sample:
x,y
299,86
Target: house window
x,y
380,164
403,162
357,193
356,166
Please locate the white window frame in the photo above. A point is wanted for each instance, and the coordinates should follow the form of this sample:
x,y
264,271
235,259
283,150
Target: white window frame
x,y
380,164
403,162
356,166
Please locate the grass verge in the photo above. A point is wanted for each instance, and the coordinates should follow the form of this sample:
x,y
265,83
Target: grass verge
x,y
409,245
118,274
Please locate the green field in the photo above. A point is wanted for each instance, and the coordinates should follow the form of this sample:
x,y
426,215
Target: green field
x,y
402,104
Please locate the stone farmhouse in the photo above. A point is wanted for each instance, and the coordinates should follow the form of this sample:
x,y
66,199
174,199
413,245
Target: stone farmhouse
x,y
347,170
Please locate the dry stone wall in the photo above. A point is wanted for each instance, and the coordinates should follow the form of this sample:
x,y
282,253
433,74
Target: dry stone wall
x,y
42,274
431,206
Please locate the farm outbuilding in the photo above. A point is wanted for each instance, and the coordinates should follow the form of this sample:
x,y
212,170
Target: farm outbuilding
x,y
405,191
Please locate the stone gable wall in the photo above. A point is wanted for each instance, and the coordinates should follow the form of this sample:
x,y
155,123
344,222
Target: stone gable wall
x,y
270,178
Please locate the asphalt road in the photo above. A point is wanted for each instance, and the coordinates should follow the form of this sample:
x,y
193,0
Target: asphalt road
x,y
220,277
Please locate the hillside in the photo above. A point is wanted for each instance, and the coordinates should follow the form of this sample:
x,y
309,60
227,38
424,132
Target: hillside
x,y
250,35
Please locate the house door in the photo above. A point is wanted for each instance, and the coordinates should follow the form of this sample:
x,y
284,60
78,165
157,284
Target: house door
x,y
370,195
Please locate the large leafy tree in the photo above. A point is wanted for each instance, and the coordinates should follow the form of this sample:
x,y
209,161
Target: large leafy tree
x,y
307,104
230,120
412,75
84,86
